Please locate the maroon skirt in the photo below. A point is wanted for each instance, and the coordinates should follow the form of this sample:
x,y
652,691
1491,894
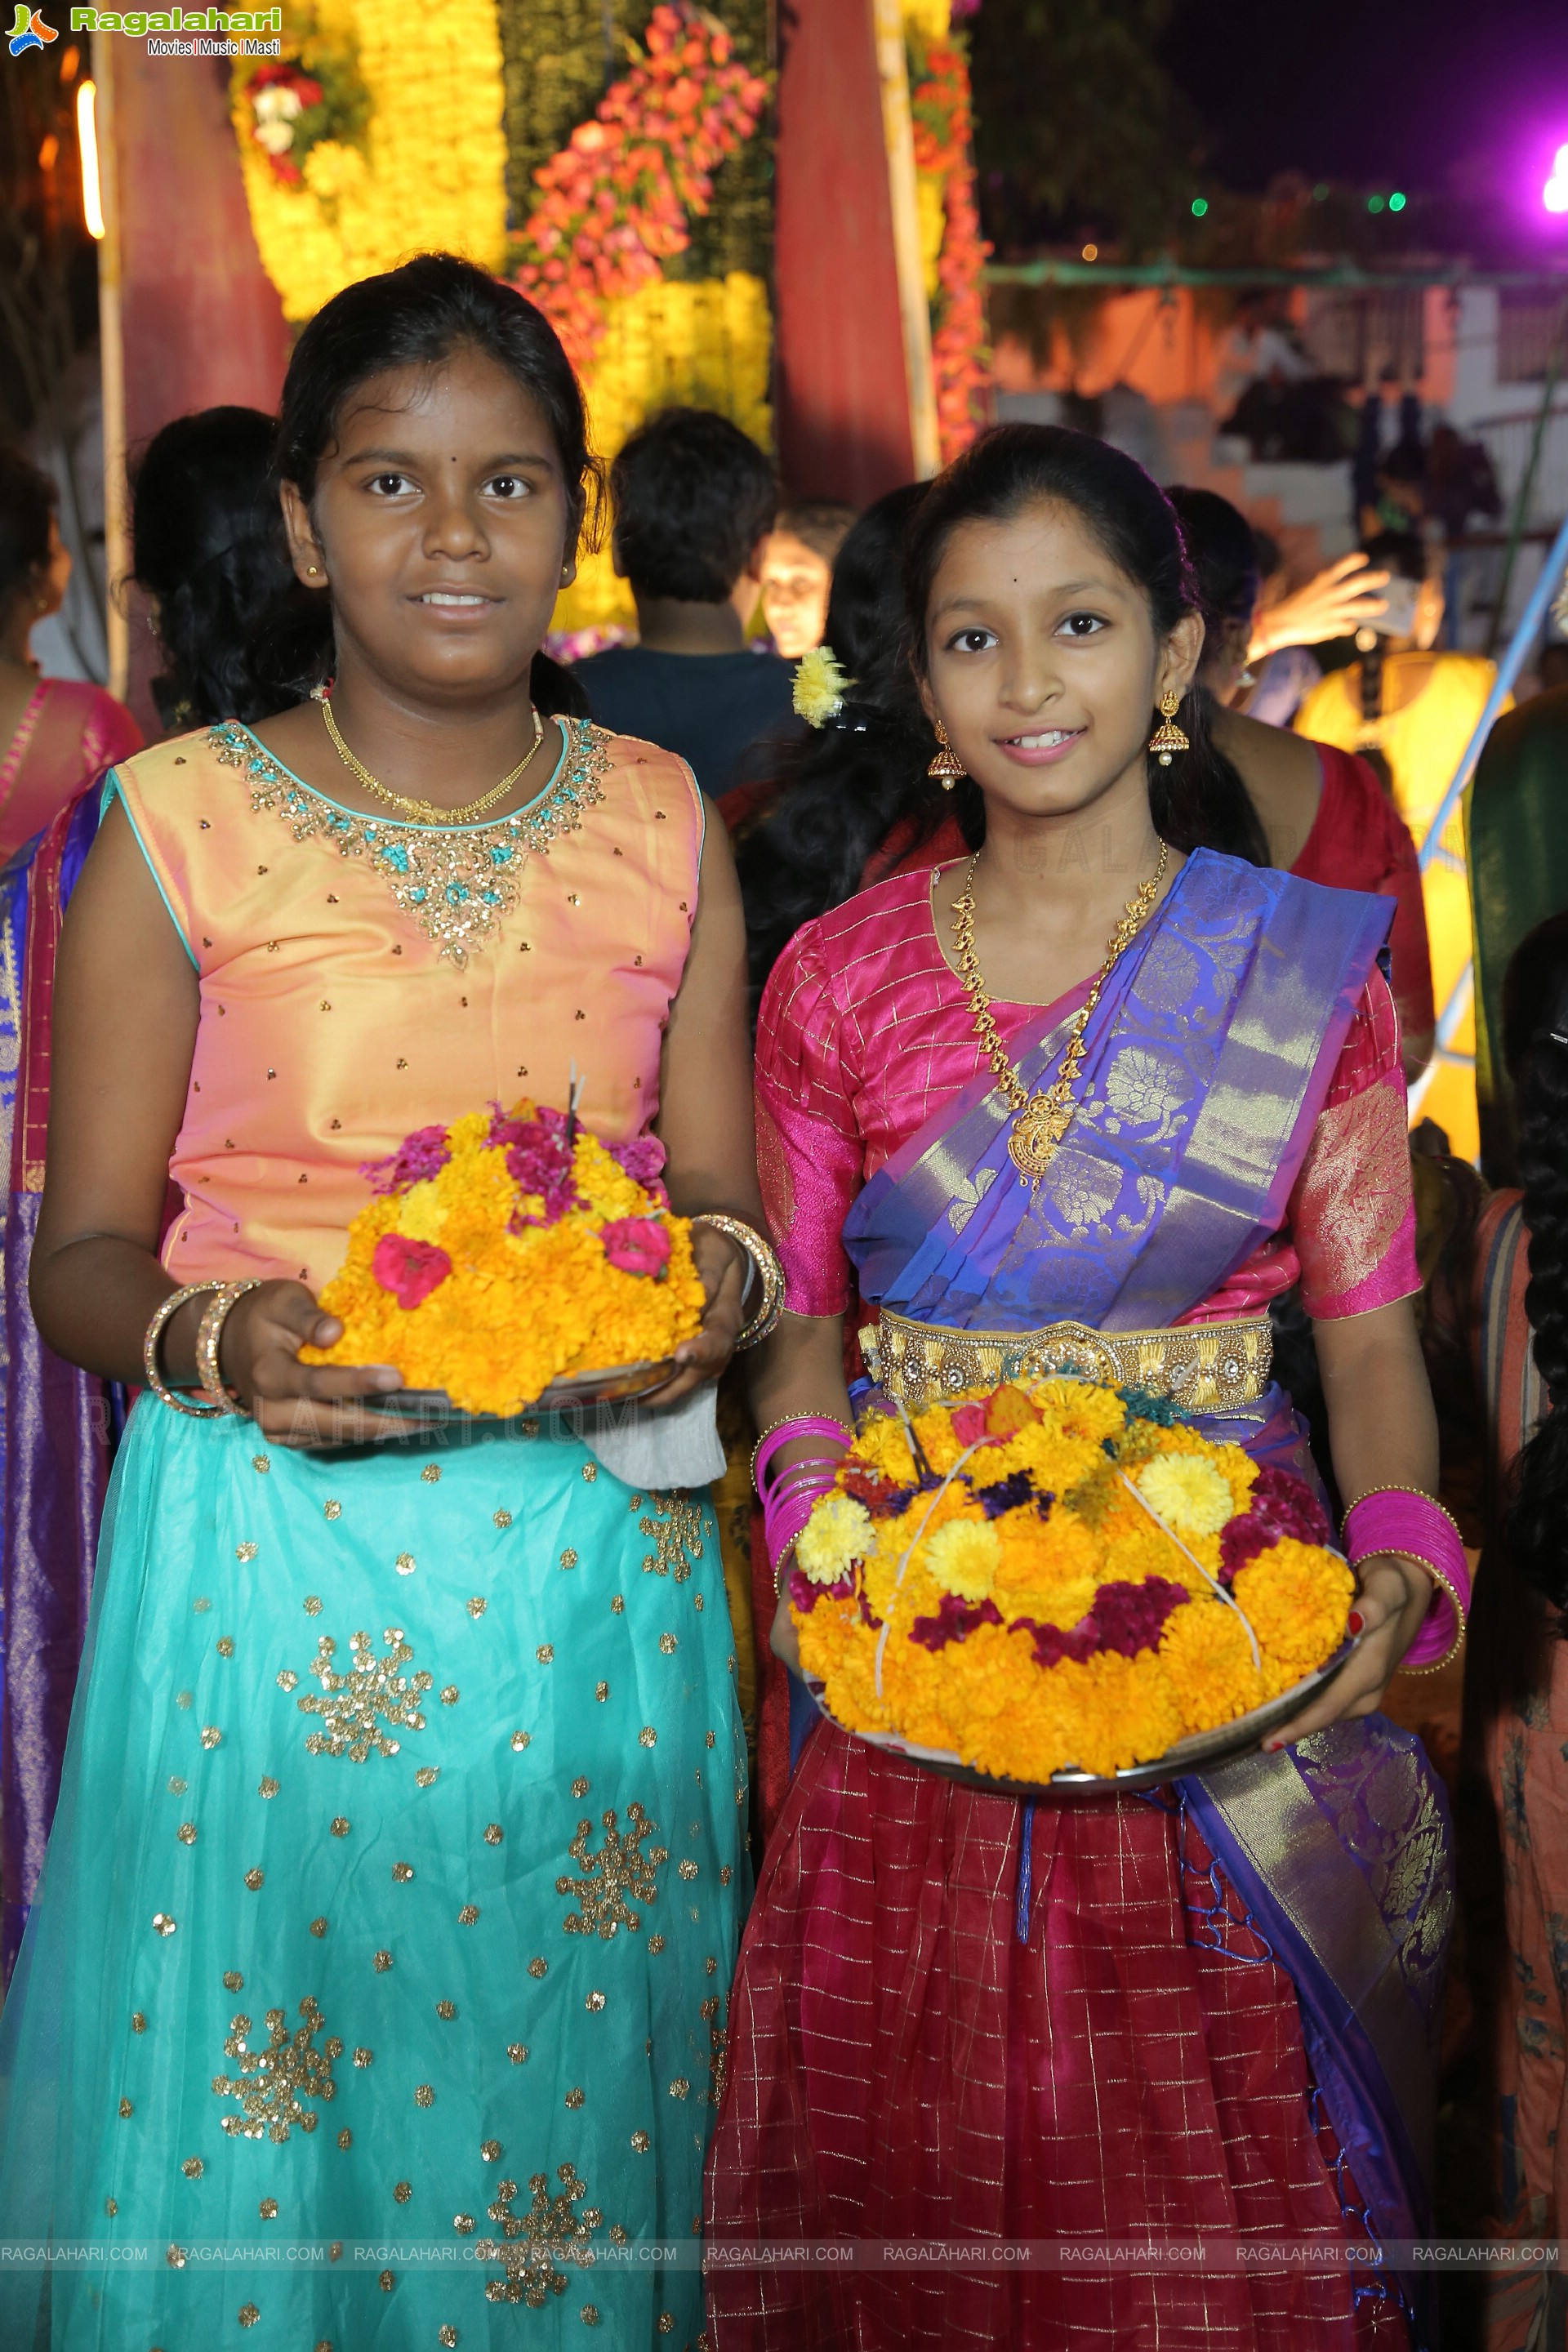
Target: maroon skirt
x,y
904,2065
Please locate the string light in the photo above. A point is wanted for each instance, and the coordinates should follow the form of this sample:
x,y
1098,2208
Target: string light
x,y
1554,194
1092,253
1374,204
1200,206
86,142
1396,203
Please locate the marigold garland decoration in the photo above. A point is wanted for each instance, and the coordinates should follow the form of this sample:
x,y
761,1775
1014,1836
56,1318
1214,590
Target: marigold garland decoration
x,y
507,1249
614,202
955,252
1069,1575
412,154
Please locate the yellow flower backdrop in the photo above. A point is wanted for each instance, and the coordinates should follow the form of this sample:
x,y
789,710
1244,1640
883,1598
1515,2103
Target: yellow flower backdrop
x,y
373,141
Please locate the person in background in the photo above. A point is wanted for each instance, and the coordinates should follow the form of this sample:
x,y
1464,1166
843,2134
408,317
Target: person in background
x,y
1410,712
1325,816
1336,602
797,572
820,824
55,733
693,501
1516,1677
231,624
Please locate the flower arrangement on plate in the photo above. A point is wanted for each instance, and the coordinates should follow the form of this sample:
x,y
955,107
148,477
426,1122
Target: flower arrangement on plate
x,y
1065,1577
510,1250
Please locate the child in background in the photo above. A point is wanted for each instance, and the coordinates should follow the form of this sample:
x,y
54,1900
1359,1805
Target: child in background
x,y
693,501
797,572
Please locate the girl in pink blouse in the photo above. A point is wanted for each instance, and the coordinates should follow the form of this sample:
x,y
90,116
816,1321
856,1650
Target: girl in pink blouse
x,y
961,2017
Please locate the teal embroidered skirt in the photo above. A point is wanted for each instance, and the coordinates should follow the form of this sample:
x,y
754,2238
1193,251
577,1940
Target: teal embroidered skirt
x,y
376,1984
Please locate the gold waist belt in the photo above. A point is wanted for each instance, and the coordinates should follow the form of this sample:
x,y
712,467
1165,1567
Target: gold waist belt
x,y
1202,1366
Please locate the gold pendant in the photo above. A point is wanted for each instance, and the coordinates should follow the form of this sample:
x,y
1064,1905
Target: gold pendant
x,y
1037,1131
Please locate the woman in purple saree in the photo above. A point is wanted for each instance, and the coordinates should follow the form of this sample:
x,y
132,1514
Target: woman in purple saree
x,y
1204,2015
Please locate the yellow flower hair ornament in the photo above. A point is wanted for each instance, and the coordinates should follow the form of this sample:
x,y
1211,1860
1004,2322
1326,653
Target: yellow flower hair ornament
x,y
820,686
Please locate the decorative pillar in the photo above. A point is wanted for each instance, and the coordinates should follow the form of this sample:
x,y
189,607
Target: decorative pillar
x,y
844,408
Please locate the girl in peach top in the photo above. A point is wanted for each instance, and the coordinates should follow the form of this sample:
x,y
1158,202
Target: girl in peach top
x,y
395,1881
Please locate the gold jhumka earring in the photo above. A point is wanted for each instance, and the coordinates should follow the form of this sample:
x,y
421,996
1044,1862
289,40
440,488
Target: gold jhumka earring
x,y
947,767
1168,737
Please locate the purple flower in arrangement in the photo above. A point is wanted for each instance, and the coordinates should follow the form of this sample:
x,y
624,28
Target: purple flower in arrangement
x,y
538,1160
955,1620
1280,1505
411,1270
422,1154
1052,1645
1127,1618
1007,1494
881,1497
643,1160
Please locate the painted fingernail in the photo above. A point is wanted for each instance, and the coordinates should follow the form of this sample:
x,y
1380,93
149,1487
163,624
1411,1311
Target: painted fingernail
x,y
1355,1621
1271,1745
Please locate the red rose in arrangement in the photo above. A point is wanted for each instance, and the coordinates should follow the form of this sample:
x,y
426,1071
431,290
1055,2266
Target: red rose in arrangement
x,y
410,1270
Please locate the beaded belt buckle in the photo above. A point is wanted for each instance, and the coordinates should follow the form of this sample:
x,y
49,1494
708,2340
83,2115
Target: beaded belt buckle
x,y
1202,1367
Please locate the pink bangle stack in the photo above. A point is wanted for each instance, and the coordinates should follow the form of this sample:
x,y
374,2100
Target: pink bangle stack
x,y
788,1495
1402,1520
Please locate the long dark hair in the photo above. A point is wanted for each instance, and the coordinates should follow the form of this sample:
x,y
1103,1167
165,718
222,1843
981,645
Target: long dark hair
x,y
1199,801
27,501
417,315
206,538
1535,1047
842,790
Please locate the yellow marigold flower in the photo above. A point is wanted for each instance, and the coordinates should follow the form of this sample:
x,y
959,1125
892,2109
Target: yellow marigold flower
x,y
1190,1495
1297,1597
1207,1661
963,1558
820,686
839,1532
1081,1407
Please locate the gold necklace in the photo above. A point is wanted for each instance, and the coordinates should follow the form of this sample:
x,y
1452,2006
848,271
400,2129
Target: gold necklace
x,y
424,811
1044,1116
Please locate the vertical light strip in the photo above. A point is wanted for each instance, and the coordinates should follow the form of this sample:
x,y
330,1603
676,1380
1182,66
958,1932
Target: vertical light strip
x,y
87,143
111,350
898,133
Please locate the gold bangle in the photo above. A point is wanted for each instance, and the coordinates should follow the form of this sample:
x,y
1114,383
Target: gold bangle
x,y
209,1338
1460,1620
165,1311
769,1271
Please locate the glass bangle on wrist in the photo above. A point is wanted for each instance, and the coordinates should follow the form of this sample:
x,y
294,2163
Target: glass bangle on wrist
x,y
209,1338
768,1270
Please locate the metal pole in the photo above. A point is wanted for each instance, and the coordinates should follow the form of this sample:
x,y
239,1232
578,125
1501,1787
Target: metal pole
x,y
1512,662
111,348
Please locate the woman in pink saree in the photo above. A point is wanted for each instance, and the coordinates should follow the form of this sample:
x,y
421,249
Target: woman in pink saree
x,y
1205,2013
55,734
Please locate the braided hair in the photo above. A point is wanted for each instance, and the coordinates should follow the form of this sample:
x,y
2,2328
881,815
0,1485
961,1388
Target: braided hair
x,y
1535,1050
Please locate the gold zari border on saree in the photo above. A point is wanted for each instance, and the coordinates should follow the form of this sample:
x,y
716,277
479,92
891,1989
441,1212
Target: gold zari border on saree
x,y
1202,1367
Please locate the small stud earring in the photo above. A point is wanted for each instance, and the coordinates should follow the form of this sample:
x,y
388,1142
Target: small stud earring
x,y
313,571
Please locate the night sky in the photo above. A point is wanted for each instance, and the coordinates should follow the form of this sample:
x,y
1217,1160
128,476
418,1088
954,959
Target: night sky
x,y
1393,95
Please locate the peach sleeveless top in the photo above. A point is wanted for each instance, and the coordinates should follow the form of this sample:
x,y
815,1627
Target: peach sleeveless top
x,y
362,978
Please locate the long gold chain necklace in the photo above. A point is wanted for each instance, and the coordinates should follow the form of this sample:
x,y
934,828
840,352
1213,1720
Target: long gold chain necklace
x,y
1043,1117
424,811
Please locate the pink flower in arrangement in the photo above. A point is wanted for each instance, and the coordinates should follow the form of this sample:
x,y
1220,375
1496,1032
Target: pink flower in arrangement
x,y
969,1424
539,1161
424,1153
636,1244
643,1160
411,1270
1279,1505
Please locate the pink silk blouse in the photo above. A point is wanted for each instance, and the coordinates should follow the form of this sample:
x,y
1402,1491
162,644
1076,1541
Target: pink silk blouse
x,y
865,1031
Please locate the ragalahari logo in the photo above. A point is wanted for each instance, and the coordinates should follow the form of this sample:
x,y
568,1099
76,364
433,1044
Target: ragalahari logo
x,y
30,30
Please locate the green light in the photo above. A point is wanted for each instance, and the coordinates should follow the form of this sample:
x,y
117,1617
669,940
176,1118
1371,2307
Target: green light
x,y
1320,193
1374,204
1200,206
1396,201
